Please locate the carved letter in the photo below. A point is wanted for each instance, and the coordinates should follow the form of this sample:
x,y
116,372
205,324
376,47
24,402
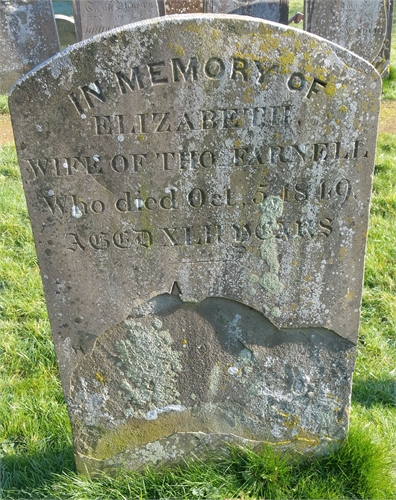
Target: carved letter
x,y
215,68
208,119
155,73
242,233
165,160
315,87
134,80
76,241
162,122
94,90
56,202
179,68
170,234
240,66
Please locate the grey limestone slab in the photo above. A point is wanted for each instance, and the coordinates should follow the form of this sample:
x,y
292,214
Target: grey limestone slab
x,y
28,36
93,17
199,191
362,26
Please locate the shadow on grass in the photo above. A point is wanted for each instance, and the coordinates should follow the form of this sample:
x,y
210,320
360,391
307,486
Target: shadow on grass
x,y
359,468
373,392
23,473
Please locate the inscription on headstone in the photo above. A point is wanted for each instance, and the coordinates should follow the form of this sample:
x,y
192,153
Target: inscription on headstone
x,y
28,37
199,194
362,26
97,16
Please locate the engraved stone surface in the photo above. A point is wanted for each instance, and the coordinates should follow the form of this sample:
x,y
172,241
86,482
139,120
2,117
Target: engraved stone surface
x,y
28,36
199,192
97,16
272,10
362,26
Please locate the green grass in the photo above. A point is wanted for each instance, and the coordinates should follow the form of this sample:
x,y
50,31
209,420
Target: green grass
x,y
3,104
359,469
294,7
389,83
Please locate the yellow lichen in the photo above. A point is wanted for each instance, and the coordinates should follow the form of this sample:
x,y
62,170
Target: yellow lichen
x,y
343,252
350,295
330,89
100,378
177,49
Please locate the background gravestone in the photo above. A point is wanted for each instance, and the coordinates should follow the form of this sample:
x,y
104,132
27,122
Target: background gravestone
x,y
362,26
93,17
199,194
272,10
28,37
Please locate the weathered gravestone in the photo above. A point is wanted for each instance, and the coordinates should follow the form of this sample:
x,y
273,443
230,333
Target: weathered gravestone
x,y
199,190
93,17
272,10
28,37
362,26
66,30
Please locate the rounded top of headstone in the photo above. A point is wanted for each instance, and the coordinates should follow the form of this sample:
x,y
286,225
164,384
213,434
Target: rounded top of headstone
x,y
223,25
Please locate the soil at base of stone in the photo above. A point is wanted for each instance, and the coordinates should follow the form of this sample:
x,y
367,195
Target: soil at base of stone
x,y
6,134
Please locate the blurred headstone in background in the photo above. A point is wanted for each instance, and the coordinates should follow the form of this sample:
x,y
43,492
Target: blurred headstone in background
x,y
362,26
272,10
93,17
28,36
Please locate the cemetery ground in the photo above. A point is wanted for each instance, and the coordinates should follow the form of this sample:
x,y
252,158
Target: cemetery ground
x,y
36,454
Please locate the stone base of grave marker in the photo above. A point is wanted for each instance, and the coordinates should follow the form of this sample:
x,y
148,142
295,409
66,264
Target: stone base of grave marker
x,y
199,191
177,379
